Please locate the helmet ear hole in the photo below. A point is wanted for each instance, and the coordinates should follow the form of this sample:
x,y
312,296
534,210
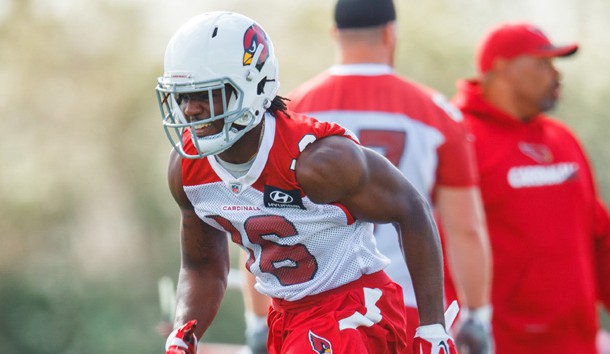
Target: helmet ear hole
x,y
260,88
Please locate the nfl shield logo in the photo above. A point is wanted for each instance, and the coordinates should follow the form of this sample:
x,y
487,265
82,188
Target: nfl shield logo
x,y
235,187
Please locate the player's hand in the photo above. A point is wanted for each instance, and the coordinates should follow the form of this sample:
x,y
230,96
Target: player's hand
x,y
256,340
474,332
182,340
433,339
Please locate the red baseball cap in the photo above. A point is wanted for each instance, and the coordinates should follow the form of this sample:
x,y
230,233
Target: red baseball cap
x,y
510,40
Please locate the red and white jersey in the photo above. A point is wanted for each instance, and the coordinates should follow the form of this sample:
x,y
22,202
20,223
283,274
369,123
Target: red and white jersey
x,y
413,126
296,247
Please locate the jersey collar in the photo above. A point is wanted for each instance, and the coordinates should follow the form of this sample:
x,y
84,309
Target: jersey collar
x,y
259,161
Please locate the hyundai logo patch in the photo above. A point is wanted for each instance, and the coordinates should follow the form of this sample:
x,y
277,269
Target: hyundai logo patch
x,y
279,198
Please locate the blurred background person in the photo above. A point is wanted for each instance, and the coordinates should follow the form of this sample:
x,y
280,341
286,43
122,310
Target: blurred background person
x,y
549,229
420,133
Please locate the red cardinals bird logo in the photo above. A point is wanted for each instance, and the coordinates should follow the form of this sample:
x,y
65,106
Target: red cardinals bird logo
x,y
537,152
319,344
253,38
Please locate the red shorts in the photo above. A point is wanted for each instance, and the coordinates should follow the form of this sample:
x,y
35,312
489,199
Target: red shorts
x,y
412,324
364,316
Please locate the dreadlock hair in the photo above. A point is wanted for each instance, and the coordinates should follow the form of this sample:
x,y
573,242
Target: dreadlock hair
x,y
278,104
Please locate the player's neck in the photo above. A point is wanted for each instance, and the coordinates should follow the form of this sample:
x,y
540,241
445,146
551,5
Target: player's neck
x,y
246,148
359,55
370,59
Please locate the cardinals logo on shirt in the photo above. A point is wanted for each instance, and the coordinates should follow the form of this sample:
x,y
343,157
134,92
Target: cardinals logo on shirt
x,y
537,152
253,38
319,344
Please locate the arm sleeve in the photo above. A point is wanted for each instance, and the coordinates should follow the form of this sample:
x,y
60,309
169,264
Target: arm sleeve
x,y
457,162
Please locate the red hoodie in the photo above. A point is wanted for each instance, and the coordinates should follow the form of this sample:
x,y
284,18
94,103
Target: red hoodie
x,y
549,231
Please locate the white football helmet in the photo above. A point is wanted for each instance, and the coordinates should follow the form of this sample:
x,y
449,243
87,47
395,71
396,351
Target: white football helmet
x,y
216,51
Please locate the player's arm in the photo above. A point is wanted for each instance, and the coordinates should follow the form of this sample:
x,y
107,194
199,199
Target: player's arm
x,y
204,260
335,169
459,206
457,200
468,253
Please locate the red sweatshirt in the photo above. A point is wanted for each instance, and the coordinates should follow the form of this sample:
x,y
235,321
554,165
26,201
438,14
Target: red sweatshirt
x,y
549,231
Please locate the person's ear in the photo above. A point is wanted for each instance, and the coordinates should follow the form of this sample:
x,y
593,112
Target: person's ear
x,y
390,30
500,65
334,32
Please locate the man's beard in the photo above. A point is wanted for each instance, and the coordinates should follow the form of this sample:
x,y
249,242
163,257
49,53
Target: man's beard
x,y
548,104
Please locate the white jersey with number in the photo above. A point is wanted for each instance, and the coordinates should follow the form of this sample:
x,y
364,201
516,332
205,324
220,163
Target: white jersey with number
x,y
296,247
411,125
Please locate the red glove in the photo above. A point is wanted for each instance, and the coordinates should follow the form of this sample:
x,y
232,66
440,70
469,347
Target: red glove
x,y
433,339
182,340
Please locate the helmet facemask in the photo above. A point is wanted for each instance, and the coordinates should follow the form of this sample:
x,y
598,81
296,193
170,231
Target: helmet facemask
x,y
237,120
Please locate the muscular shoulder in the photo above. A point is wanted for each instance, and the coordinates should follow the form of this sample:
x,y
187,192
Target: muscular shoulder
x,y
330,168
